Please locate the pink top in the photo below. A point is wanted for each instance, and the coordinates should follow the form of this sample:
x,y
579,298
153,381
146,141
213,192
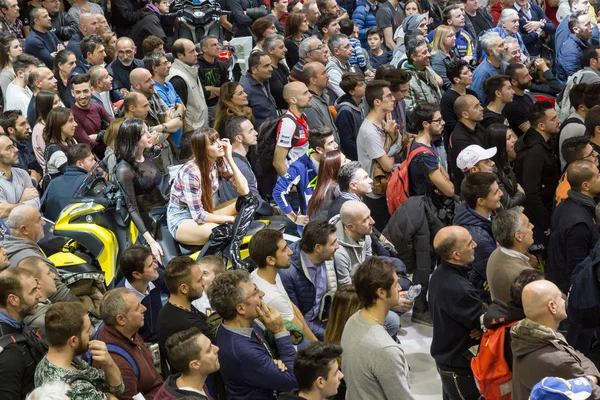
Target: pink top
x,y
37,139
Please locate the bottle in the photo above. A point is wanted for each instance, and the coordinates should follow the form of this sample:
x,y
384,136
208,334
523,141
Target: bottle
x,y
413,292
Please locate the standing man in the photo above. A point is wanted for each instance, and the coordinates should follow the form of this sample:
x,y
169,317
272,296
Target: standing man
x,y
41,78
41,41
19,298
492,45
537,168
568,57
257,87
316,78
499,92
517,111
456,310
184,78
18,95
121,68
341,51
389,17
369,351
212,71
377,141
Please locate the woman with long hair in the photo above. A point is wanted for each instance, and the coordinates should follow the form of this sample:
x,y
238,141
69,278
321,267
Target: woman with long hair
x,y
45,101
110,46
194,209
64,63
296,28
58,135
10,48
233,102
504,139
110,138
261,28
410,7
327,189
442,52
139,177
345,304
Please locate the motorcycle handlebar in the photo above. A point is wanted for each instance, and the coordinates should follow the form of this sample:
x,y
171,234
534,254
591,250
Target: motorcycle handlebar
x,y
119,204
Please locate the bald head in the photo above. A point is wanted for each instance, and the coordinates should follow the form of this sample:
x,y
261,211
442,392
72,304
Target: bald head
x,y
20,215
464,103
138,75
88,24
293,89
543,303
580,172
352,210
455,244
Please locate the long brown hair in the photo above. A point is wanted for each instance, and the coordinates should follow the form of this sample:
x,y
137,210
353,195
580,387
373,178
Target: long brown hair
x,y
200,140
226,107
57,118
329,166
293,24
345,304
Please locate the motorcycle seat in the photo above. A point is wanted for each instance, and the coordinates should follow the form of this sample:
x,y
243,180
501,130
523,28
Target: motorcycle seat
x,y
187,249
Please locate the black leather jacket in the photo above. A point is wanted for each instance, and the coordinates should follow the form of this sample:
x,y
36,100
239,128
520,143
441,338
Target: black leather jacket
x,y
64,25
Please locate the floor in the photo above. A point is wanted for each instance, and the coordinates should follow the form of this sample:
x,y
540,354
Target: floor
x,y
416,340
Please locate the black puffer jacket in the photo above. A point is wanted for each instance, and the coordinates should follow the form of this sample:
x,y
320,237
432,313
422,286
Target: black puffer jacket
x,y
149,24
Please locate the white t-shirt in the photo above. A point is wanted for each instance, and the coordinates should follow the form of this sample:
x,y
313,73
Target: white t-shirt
x,y
202,304
275,295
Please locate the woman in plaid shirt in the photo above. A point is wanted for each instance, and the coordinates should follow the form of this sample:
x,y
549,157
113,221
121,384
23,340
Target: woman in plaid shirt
x,y
193,210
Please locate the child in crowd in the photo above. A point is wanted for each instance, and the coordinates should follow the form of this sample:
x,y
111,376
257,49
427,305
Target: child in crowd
x,y
377,55
211,267
349,111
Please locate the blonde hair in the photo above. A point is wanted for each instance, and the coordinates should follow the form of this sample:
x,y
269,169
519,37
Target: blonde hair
x,y
441,32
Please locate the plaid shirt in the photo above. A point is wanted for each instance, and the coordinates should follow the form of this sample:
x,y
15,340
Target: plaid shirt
x,y
15,30
187,189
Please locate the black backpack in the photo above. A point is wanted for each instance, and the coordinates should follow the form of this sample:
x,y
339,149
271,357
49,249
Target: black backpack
x,y
32,339
267,140
584,293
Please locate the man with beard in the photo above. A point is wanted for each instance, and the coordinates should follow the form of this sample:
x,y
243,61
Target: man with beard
x,y
88,25
41,41
492,45
468,131
310,282
568,57
68,330
270,252
248,366
15,125
537,167
184,280
15,183
91,118
517,111
19,297
46,280
121,68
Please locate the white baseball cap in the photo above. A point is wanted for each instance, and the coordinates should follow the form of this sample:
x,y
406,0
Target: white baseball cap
x,y
471,155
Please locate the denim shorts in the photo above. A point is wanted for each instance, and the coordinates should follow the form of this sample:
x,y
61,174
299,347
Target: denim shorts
x,y
175,216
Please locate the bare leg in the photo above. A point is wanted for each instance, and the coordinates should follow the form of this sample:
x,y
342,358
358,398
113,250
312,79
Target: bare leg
x,y
191,233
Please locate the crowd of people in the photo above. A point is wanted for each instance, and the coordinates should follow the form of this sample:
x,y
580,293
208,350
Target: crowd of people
x,y
433,157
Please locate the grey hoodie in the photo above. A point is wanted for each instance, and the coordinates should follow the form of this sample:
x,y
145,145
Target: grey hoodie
x,y
19,248
350,254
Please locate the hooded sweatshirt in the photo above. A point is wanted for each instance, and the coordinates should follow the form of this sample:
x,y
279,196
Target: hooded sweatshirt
x,y
538,352
348,121
422,87
501,314
169,390
19,248
350,254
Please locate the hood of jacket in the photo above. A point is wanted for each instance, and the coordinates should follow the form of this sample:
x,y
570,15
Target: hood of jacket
x,y
342,236
529,336
465,215
14,244
499,313
346,100
529,139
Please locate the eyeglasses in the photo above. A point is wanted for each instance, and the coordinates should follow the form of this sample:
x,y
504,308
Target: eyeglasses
x,y
320,48
254,293
164,64
437,121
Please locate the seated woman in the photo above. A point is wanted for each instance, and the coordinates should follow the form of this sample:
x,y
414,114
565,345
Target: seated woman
x,y
45,101
263,27
58,135
194,211
327,189
110,138
139,177
233,102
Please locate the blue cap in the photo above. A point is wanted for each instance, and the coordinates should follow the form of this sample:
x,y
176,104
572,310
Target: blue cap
x,y
552,388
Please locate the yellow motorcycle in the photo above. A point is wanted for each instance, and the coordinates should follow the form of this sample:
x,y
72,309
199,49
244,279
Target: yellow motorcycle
x,y
96,228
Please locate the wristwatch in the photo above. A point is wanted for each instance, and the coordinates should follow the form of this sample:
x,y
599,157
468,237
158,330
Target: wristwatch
x,y
164,128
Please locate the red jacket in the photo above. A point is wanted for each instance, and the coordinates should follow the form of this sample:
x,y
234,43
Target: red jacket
x,y
150,380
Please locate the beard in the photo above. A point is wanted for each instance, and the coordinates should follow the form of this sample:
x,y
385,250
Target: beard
x,y
194,294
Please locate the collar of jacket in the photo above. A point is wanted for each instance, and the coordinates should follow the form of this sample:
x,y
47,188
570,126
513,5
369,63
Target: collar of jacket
x,y
538,136
345,68
461,269
527,327
578,41
581,199
7,319
190,69
153,8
